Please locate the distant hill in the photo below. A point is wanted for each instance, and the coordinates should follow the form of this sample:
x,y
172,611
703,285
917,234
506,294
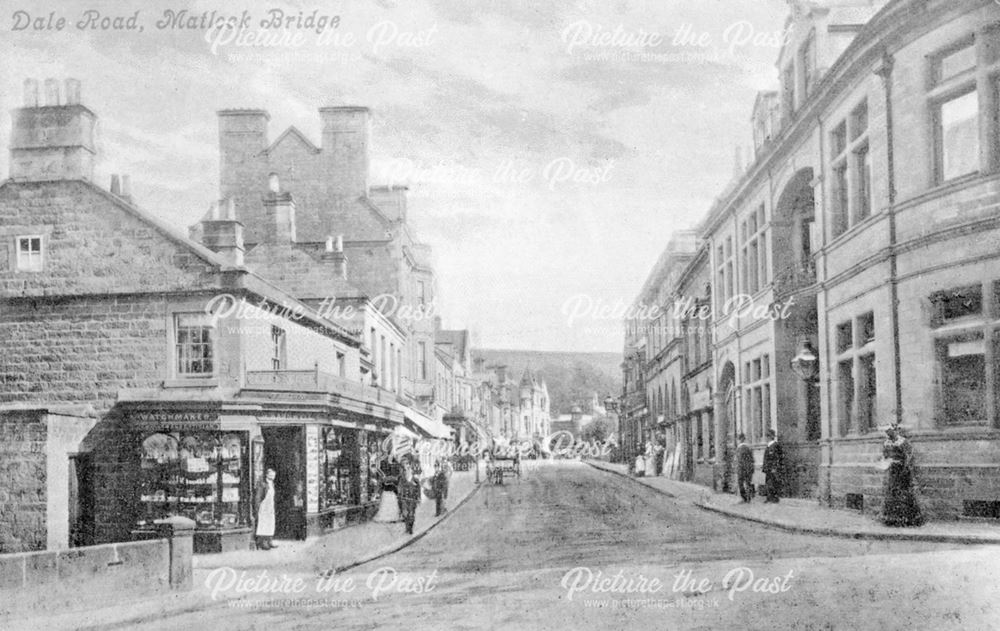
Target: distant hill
x,y
571,377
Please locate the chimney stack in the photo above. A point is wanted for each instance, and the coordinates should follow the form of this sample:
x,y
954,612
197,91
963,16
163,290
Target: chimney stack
x,y
334,254
346,138
222,233
54,140
279,210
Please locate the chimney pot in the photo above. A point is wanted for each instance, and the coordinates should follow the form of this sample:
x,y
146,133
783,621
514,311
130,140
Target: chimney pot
x,y
231,209
72,91
339,244
126,187
213,211
30,93
273,184
51,92
329,244
115,185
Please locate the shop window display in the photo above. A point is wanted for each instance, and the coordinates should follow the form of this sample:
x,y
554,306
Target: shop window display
x,y
198,475
337,463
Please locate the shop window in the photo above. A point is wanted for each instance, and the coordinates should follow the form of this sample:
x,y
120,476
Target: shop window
x,y
193,345
29,254
338,464
199,475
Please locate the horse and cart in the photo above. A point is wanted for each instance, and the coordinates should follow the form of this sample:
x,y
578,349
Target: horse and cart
x,y
501,464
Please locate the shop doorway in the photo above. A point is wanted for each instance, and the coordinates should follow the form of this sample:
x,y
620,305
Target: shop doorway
x,y
284,451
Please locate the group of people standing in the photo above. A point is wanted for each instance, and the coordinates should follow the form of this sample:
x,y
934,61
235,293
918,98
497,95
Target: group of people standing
x,y
899,506
772,468
402,490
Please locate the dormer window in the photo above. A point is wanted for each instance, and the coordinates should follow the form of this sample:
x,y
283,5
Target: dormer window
x,y
29,253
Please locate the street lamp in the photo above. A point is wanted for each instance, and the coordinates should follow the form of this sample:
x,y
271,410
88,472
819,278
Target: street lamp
x,y
806,363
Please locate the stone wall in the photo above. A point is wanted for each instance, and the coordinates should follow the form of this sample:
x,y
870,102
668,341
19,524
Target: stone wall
x,y
22,481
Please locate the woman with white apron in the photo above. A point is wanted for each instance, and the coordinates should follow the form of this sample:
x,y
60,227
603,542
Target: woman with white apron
x,y
265,513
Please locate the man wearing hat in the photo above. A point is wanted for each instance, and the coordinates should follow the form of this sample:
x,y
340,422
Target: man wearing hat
x,y
264,504
772,466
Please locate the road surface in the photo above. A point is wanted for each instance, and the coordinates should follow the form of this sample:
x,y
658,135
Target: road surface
x,y
571,547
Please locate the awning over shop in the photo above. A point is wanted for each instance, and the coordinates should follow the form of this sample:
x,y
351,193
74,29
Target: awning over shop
x,y
424,425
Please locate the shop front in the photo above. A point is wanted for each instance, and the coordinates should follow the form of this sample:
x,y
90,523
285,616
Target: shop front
x,y
197,464
204,460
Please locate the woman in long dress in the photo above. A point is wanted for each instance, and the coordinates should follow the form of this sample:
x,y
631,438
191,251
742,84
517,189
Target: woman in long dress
x,y
900,506
388,507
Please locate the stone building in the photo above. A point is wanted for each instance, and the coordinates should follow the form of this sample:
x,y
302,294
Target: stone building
x,y
853,263
334,198
198,371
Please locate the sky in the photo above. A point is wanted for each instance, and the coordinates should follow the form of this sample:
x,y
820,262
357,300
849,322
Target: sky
x,y
550,147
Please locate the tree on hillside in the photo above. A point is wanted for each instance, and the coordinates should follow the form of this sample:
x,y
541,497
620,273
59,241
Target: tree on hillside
x,y
597,430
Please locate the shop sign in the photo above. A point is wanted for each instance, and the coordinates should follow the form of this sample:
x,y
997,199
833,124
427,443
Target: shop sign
x,y
312,468
178,420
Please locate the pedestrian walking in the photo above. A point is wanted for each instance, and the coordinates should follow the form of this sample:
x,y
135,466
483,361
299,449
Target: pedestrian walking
x,y
900,506
264,509
409,496
440,485
640,465
772,466
744,468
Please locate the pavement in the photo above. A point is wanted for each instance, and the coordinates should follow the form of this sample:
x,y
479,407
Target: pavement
x,y
808,516
332,553
568,546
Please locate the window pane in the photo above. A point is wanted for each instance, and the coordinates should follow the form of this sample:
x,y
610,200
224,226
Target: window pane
x,y
959,135
844,340
839,139
859,120
866,328
963,379
864,174
845,392
839,199
957,303
866,393
955,63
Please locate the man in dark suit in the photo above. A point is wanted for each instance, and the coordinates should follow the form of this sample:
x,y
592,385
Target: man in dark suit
x,y
772,466
409,496
744,468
